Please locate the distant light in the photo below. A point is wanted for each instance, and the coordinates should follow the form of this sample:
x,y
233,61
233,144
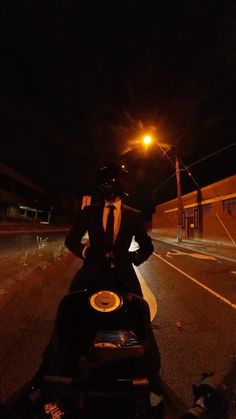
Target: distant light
x,y
147,139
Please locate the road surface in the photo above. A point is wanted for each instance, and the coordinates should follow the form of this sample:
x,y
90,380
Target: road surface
x,y
196,314
192,299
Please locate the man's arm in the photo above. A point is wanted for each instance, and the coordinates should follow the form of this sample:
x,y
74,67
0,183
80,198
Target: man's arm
x,y
73,241
144,241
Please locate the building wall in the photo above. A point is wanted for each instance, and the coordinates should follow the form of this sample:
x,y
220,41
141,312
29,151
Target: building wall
x,y
20,198
207,214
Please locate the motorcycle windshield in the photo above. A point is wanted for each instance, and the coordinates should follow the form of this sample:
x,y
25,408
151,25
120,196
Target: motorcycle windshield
x,y
115,339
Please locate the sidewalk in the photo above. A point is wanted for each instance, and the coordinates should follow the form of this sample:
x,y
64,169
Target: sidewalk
x,y
207,248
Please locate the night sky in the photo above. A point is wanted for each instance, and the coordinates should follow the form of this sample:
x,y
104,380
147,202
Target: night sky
x,y
81,80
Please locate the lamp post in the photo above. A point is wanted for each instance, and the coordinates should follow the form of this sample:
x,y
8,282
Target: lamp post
x,y
147,140
179,200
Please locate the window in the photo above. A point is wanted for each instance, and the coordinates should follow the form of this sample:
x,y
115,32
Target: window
x,y
183,218
196,217
189,212
229,205
206,208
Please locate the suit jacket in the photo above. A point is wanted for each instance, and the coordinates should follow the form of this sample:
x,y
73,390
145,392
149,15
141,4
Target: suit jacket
x,y
132,226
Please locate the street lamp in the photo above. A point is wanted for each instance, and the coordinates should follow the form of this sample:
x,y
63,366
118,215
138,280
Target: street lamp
x,y
147,140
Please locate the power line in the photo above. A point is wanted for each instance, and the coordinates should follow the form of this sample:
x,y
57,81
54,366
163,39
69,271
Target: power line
x,y
189,173
161,158
167,180
167,155
174,174
210,155
184,165
190,165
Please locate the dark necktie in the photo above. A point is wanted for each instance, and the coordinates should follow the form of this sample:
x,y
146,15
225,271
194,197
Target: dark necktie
x,y
110,227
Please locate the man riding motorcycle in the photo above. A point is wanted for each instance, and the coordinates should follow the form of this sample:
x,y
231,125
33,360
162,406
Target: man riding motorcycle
x,y
111,227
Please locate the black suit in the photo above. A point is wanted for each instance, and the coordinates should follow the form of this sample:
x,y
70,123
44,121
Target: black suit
x,y
95,271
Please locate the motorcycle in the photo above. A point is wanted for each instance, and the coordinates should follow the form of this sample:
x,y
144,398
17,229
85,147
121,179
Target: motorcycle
x,y
99,363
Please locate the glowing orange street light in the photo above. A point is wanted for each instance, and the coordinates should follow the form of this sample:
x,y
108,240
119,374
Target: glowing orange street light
x,y
147,139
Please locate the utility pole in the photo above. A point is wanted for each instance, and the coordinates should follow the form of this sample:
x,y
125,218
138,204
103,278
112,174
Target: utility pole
x,y
179,200
164,148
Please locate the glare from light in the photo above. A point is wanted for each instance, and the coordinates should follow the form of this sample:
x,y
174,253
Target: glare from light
x,y
147,139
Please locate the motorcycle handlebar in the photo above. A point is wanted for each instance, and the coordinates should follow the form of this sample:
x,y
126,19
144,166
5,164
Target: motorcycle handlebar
x,y
214,394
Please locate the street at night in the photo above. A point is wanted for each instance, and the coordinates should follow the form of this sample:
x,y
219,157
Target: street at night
x,y
118,123
194,323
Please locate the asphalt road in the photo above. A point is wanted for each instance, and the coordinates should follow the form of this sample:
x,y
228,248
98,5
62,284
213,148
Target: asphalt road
x,y
196,315
35,273
194,324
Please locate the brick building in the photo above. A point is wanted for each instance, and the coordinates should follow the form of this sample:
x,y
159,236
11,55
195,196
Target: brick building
x,y
207,214
21,199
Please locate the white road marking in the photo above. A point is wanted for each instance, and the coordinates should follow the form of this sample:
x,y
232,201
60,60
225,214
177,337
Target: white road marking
x,y
147,294
220,297
194,255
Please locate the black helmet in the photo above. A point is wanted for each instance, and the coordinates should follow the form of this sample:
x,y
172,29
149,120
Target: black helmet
x,y
112,181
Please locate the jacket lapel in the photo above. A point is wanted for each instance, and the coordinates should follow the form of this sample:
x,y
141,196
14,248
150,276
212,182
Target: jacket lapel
x,y
96,222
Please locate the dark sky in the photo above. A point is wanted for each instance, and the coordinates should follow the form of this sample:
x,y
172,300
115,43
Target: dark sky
x,y
81,80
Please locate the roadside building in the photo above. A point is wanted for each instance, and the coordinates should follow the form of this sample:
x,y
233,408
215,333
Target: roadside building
x,y
21,199
208,214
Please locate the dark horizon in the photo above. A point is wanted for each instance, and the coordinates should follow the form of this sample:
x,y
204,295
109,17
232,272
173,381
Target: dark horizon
x,y
79,83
